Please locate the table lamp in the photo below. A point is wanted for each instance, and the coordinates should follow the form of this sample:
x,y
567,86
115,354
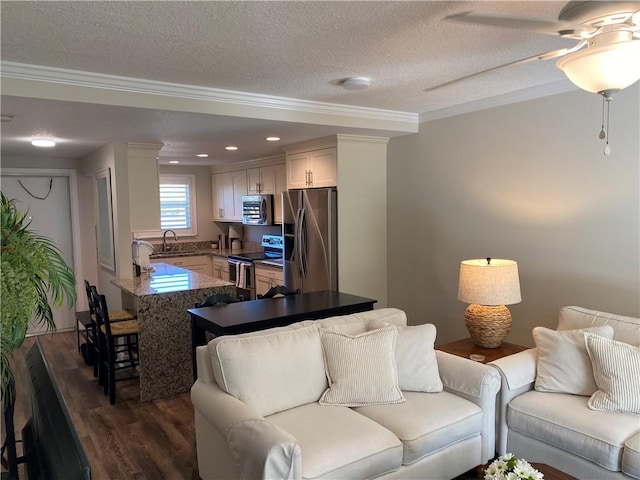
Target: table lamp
x,y
488,285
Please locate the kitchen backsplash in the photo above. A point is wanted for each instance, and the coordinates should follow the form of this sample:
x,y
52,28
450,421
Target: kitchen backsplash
x,y
197,246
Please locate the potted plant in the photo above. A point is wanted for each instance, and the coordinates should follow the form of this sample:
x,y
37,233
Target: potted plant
x,y
33,274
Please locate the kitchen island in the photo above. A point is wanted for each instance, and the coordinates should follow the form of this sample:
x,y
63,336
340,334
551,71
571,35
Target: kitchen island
x,y
161,299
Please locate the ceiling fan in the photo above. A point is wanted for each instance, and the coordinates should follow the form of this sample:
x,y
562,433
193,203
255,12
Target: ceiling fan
x,y
610,31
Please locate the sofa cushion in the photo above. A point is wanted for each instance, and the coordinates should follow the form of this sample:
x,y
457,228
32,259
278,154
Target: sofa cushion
x,y
416,358
286,367
631,457
361,369
427,423
616,368
625,329
566,422
337,442
563,364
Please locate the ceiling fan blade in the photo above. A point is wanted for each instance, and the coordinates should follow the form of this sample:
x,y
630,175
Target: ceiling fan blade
x,y
542,56
564,29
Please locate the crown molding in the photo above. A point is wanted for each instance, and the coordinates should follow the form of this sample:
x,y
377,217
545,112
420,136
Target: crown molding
x,y
517,96
79,78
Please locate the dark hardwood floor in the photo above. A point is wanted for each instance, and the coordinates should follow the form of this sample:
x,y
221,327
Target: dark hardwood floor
x,y
128,440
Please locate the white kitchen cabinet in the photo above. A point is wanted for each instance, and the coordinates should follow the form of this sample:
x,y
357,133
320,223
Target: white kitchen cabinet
x,y
269,180
220,268
228,189
195,263
267,277
313,169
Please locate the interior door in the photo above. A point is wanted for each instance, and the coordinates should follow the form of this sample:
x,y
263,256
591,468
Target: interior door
x,y
50,216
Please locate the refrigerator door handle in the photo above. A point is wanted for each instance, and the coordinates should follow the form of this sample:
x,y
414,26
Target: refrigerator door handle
x,y
303,243
297,254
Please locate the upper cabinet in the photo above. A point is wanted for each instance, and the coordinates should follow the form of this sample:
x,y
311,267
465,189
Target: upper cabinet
x,y
271,179
228,189
312,169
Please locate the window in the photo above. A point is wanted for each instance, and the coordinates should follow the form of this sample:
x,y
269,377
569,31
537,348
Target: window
x,y
178,204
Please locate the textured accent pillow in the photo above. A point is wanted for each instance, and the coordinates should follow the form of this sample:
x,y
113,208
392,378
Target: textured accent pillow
x,y
563,363
616,369
361,369
416,359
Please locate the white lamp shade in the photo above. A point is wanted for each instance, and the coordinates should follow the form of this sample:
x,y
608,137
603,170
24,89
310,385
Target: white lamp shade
x,y
605,68
493,283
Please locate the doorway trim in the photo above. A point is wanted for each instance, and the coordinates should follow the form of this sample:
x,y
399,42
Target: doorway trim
x,y
72,176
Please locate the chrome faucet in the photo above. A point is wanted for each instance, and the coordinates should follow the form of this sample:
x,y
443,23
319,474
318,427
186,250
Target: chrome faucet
x,y
164,239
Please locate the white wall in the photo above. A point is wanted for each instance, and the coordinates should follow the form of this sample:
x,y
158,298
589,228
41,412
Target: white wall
x,y
113,156
362,216
526,182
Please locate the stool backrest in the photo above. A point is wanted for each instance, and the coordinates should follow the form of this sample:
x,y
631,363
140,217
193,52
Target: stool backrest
x,y
219,299
279,290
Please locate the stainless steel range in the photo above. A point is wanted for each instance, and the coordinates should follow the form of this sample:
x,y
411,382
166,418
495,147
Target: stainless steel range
x,y
241,269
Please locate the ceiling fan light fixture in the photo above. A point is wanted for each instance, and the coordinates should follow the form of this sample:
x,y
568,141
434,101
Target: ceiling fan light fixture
x,y
603,69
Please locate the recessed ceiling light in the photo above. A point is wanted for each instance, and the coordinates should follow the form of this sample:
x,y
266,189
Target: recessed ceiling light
x,y
202,155
43,142
272,139
356,83
231,147
174,161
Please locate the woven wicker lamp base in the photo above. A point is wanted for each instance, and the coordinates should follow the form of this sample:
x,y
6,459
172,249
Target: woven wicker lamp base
x,y
487,325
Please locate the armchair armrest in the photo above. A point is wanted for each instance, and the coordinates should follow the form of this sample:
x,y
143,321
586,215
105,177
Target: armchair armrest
x,y
477,383
219,408
263,450
518,375
231,436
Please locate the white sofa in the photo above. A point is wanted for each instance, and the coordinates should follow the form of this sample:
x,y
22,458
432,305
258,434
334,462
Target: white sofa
x,y
540,423
258,411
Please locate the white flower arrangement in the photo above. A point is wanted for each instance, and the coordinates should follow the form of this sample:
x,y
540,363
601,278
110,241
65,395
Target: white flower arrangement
x,y
508,467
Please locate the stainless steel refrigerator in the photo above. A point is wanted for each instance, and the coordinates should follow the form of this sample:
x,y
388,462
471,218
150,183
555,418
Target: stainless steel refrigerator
x,y
309,228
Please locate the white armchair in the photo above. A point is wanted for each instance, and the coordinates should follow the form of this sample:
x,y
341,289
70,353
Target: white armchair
x,y
559,428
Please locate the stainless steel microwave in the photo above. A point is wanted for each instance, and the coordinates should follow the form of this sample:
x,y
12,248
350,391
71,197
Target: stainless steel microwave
x,y
257,209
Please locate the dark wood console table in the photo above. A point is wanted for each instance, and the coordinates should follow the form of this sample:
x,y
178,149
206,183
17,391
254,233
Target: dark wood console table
x,y
266,313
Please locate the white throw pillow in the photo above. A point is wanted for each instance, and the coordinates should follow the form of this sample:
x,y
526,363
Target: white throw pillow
x,y
616,368
563,363
416,359
361,369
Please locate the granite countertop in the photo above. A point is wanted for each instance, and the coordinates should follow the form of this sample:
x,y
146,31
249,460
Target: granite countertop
x,y
271,262
167,279
207,251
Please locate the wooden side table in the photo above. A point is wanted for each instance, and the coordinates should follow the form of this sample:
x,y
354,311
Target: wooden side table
x,y
465,348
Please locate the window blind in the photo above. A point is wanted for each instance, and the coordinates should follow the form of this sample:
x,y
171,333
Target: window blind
x,y
175,206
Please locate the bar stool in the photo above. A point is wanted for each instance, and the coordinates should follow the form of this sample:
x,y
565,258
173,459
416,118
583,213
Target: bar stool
x,y
279,290
114,339
91,328
219,299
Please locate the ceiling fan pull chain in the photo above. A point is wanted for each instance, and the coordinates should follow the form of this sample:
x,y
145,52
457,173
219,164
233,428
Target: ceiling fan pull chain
x,y
607,150
603,134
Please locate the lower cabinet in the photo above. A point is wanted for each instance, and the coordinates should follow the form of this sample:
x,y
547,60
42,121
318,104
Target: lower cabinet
x,y
220,268
267,277
196,263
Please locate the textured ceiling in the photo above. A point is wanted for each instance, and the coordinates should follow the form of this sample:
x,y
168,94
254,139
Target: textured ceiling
x,y
298,50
